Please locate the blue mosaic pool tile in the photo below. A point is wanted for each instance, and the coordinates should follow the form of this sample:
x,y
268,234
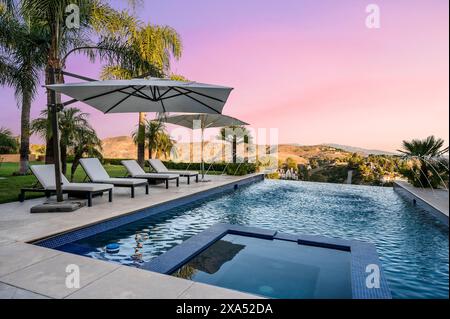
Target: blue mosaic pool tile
x,y
415,200
251,231
363,255
178,255
324,242
75,249
286,237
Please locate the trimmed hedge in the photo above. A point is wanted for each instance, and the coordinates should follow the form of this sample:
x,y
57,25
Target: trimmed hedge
x,y
114,161
230,169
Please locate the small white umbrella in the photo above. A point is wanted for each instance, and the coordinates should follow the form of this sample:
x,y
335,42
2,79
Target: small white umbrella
x,y
148,95
206,121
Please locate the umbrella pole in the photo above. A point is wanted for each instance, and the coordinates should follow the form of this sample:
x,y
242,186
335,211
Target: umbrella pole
x,y
203,162
55,131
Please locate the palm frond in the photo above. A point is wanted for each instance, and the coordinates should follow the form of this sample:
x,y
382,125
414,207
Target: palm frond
x,y
8,143
429,147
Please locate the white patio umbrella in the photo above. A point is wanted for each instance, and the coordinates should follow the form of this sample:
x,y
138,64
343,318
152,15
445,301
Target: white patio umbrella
x,y
203,121
148,95
144,95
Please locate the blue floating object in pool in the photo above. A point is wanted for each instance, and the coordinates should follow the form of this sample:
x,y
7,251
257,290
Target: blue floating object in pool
x,y
112,248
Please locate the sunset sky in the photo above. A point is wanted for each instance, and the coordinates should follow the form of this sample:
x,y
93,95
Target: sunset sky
x,y
310,68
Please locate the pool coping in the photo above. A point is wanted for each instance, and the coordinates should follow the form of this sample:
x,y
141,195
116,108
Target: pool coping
x,y
407,191
362,254
87,230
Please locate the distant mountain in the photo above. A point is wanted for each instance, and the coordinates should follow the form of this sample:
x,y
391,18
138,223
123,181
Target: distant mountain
x,y
363,151
124,147
119,147
302,154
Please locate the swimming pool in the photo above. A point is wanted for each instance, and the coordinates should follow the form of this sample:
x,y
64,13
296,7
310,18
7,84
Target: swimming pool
x,y
413,246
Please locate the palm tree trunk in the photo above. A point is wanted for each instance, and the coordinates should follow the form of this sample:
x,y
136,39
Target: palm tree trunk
x,y
49,140
425,181
63,158
25,132
141,140
76,161
53,62
150,149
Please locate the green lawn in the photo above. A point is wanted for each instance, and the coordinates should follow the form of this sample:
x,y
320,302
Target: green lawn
x,y
10,185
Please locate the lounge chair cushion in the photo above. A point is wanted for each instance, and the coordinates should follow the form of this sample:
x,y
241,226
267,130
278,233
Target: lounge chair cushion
x,y
87,187
157,176
136,171
133,168
159,167
46,177
98,174
122,181
94,169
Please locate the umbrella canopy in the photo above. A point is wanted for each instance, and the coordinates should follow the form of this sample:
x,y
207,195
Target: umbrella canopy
x,y
206,120
147,95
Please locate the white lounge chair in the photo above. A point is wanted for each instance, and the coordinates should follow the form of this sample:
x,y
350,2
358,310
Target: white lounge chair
x,y
136,171
45,175
160,168
98,174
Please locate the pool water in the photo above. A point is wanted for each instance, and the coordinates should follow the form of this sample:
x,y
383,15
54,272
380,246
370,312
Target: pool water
x,y
413,246
272,268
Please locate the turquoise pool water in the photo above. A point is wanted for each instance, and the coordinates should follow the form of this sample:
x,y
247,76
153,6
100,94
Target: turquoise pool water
x,y
413,246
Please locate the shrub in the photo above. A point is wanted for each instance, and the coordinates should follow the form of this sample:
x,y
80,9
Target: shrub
x,y
275,175
114,161
241,169
435,175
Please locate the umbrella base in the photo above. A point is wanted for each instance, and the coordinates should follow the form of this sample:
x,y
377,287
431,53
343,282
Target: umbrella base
x,y
204,180
55,207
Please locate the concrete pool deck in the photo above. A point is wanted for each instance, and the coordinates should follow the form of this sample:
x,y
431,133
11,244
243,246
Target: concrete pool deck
x,y
434,201
30,271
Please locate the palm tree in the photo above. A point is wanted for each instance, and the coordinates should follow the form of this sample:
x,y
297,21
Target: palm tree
x,y
153,131
426,152
23,51
165,145
96,16
156,45
86,142
158,140
235,135
72,123
8,143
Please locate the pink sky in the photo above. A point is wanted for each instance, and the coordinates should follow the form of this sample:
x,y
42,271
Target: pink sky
x,y
309,68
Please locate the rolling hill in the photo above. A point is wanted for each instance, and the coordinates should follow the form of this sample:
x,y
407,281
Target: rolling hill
x,y
124,147
359,150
